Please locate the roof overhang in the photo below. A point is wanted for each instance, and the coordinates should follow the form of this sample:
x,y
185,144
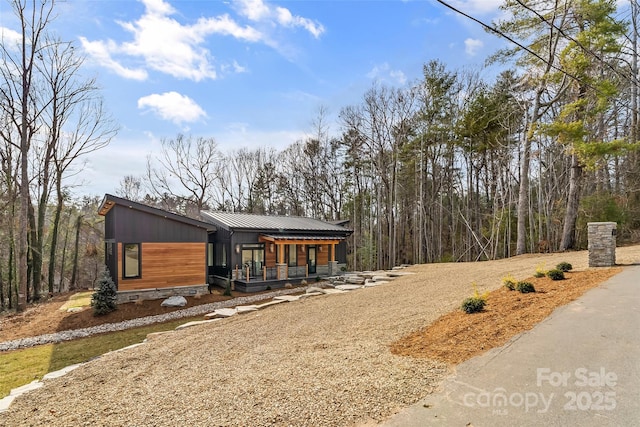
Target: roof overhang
x,y
299,240
110,201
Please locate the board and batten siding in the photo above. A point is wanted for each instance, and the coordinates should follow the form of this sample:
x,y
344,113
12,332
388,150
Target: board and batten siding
x,y
166,265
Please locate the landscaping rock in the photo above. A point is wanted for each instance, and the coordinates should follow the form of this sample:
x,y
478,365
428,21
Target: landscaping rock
x,y
372,284
356,280
311,294
222,312
35,384
287,298
196,322
176,301
61,372
267,304
348,287
332,291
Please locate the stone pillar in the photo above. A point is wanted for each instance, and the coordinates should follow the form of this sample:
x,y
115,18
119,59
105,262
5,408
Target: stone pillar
x,y
333,268
602,244
281,273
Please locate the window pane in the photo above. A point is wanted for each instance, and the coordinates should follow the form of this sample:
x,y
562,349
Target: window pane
x,y
131,260
210,255
292,256
221,255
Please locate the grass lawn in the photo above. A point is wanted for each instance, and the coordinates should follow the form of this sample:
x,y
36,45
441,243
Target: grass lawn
x,y
20,367
81,299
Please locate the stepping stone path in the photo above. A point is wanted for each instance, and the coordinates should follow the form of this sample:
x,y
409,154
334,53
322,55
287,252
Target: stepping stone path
x,y
339,284
348,287
287,298
222,312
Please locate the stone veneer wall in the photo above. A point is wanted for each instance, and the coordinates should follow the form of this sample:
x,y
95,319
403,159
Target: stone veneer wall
x,y
602,244
151,294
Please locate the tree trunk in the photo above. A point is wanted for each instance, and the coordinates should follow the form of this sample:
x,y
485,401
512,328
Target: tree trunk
x,y
573,200
54,239
74,271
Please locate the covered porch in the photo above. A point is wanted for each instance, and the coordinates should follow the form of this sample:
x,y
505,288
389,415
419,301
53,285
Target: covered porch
x,y
279,259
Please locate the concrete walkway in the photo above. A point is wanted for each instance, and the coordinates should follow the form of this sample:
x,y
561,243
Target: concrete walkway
x,y
580,366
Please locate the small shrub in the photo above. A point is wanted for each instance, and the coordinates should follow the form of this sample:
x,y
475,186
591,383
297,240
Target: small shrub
x,y
555,274
303,282
564,266
509,282
525,287
268,287
473,305
103,300
318,278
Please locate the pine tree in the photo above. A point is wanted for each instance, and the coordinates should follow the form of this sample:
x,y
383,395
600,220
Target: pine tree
x,y
103,300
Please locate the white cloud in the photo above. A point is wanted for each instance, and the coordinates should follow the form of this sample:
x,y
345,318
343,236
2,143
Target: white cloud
x,y
10,37
478,6
173,107
261,11
161,43
101,52
255,10
383,72
166,45
472,46
286,19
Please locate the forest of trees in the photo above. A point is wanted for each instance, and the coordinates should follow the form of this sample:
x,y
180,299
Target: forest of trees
x,y
452,167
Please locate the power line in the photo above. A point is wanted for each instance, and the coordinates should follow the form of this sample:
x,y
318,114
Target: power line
x,y
521,46
503,35
569,37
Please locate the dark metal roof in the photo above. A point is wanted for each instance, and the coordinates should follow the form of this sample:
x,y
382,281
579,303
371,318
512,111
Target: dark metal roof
x,y
239,221
110,201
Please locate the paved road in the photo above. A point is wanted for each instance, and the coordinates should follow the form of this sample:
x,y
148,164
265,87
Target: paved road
x,y
579,367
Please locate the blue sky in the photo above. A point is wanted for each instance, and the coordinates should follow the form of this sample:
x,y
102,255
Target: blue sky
x,y
251,72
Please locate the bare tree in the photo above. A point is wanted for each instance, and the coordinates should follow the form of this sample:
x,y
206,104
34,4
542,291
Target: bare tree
x,y
186,169
19,102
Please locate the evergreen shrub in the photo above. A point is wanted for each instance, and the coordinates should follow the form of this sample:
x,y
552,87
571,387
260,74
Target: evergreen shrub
x,y
103,300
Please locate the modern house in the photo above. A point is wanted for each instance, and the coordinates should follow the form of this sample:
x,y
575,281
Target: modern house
x,y
152,253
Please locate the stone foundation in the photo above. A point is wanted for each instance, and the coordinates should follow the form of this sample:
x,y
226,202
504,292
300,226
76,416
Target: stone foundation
x,y
159,293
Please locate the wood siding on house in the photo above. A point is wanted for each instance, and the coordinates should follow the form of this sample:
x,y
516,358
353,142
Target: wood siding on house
x,y
322,255
270,257
166,265
302,255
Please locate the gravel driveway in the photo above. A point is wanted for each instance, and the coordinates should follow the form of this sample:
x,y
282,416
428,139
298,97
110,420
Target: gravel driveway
x,y
320,361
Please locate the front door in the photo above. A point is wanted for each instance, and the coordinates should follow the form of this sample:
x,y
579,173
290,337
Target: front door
x,y
254,259
311,259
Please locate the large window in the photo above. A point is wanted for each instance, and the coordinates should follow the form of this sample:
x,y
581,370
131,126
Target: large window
x,y
221,255
292,259
131,260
